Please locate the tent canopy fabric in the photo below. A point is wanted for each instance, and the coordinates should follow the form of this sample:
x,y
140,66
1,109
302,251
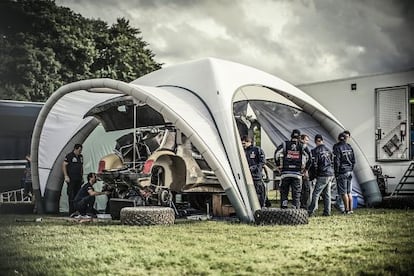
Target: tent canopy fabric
x,y
197,97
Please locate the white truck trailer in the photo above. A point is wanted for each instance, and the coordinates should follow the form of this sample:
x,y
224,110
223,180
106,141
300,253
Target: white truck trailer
x,y
379,112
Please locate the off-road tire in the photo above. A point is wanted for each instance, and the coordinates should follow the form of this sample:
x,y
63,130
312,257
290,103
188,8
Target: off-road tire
x,y
147,215
271,216
397,202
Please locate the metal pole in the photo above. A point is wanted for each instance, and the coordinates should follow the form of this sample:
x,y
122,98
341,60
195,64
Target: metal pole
x,y
135,135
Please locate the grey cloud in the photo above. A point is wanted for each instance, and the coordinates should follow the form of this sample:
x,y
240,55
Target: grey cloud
x,y
193,45
321,39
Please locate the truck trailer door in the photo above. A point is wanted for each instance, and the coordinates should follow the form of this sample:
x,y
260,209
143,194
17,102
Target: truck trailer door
x,y
392,124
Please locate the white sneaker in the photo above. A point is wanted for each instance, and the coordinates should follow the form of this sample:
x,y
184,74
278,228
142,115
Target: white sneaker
x,y
86,217
75,214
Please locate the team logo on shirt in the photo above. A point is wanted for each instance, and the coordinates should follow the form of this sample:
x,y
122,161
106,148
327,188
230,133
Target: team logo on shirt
x,y
252,155
293,153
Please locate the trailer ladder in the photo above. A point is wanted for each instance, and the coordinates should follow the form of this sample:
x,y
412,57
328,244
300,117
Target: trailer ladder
x,y
406,184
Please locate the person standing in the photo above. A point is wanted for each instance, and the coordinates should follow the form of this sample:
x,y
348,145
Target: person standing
x,y
324,171
344,162
28,187
306,183
339,202
256,160
85,198
291,159
73,171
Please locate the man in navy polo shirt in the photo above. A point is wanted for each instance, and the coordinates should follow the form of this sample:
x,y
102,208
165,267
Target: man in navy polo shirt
x,y
72,168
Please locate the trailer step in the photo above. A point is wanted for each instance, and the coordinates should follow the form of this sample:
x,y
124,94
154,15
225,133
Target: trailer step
x,y
401,188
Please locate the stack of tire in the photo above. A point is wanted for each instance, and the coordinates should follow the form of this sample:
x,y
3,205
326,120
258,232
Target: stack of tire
x,y
147,215
277,216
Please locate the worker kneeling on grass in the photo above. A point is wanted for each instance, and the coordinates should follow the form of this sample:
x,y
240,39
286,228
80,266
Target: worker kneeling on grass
x,y
85,199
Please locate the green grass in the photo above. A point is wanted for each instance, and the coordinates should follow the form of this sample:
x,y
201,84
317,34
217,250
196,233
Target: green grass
x,y
371,241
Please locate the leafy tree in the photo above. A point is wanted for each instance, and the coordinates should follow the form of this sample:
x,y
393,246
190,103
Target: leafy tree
x,y
43,46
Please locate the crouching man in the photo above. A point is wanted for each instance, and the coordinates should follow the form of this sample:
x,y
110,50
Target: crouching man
x,y
85,198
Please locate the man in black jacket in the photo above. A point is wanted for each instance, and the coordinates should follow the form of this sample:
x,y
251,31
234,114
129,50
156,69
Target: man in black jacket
x,y
256,160
292,160
344,162
324,171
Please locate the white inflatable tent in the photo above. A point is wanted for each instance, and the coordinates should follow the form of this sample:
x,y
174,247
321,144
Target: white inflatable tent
x,y
198,97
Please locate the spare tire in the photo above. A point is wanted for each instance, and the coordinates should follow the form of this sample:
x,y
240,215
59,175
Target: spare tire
x,y
281,216
147,215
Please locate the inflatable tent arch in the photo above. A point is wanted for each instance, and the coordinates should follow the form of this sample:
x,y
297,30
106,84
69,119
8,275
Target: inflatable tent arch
x,y
198,98
367,186
54,180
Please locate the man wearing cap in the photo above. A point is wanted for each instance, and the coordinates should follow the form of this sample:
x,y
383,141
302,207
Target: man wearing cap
x,y
344,162
291,159
323,168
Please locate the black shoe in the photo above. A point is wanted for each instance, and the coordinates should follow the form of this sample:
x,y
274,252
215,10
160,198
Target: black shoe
x,y
91,215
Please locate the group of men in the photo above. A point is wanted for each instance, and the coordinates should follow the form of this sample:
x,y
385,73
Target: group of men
x,y
300,167
297,164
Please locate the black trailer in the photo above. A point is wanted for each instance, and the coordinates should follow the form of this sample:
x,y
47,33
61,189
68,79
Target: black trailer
x,y
17,120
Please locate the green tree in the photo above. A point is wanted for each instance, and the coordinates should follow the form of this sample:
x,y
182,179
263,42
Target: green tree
x,y
43,46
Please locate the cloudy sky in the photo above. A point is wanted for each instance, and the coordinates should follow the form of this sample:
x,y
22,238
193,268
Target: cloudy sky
x,y
299,41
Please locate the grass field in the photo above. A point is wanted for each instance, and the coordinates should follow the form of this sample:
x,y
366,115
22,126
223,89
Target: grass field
x,y
371,241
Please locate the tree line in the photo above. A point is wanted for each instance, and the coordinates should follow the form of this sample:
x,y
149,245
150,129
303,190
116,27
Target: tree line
x,y
44,46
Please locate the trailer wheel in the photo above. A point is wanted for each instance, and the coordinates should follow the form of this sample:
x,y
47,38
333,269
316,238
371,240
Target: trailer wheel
x,y
147,215
397,202
271,216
